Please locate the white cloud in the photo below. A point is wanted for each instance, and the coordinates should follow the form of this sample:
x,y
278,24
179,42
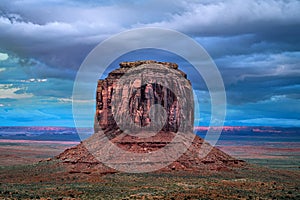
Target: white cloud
x,y
1,105
64,100
80,101
3,56
9,91
33,80
2,69
278,97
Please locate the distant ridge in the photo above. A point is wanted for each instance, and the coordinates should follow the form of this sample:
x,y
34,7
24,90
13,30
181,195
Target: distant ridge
x,y
70,133
41,133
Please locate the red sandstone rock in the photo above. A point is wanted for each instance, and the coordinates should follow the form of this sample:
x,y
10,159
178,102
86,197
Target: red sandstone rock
x,y
134,96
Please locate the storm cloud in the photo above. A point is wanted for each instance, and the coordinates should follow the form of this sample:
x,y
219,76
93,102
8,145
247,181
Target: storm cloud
x,y
255,44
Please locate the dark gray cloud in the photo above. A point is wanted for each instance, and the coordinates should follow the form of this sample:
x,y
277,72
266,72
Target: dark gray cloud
x,y
61,34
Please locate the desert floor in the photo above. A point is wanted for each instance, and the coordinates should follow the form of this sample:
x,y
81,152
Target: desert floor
x,y
24,176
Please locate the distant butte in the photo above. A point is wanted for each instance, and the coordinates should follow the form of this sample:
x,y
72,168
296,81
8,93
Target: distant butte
x,y
117,104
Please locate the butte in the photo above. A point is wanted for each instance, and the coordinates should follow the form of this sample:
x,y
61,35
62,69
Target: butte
x,y
144,122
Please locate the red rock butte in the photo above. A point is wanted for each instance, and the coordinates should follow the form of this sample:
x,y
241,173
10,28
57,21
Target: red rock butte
x,y
124,110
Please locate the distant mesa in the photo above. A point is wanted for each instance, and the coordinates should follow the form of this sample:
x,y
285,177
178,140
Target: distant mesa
x,y
141,108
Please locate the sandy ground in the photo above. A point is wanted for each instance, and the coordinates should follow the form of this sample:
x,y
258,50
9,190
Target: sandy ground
x,y
22,152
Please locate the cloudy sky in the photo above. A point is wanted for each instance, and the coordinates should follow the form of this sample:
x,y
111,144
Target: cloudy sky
x,y
255,44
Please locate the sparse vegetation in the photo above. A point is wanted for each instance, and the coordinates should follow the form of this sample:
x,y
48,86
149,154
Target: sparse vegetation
x,y
23,182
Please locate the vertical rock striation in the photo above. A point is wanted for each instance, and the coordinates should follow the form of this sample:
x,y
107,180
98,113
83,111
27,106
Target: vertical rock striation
x,y
127,103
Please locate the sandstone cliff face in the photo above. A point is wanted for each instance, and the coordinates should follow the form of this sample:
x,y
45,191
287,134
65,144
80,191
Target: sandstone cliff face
x,y
127,103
